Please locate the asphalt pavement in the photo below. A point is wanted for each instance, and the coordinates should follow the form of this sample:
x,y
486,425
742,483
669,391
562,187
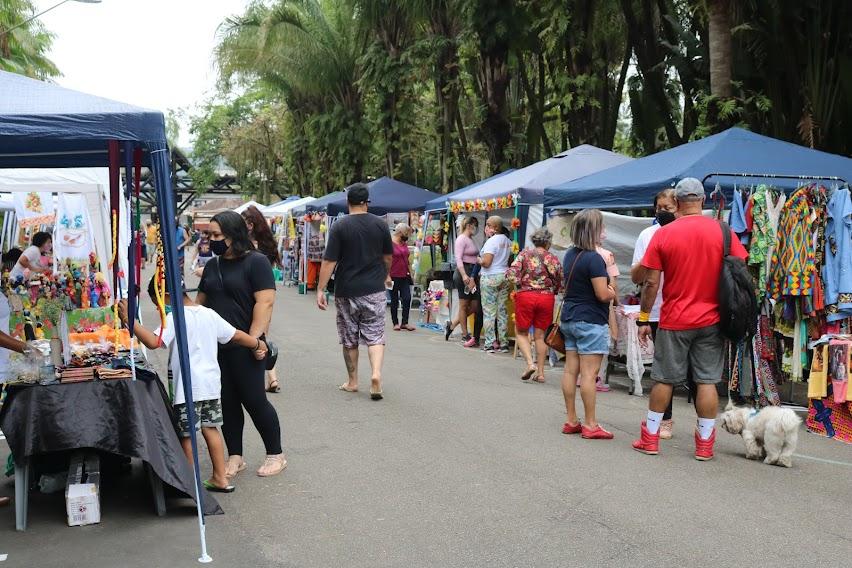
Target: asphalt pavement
x,y
461,465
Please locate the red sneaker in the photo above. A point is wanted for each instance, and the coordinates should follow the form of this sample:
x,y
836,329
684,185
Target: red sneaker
x,y
648,443
704,448
596,433
572,428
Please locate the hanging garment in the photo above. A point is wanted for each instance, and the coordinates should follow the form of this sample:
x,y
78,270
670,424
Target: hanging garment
x,y
73,239
763,237
34,208
793,262
837,271
736,219
817,380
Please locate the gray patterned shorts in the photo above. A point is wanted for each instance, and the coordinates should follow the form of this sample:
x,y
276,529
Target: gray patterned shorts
x,y
208,414
361,320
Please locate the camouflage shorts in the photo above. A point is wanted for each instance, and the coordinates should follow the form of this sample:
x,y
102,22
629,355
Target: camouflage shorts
x,y
361,319
208,414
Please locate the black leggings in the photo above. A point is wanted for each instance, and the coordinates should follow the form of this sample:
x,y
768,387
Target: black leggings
x,y
401,291
244,385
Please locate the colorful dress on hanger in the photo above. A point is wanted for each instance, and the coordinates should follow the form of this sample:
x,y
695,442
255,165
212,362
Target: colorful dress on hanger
x,y
793,262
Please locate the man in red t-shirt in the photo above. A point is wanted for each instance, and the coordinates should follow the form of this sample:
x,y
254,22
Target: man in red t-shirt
x,y
689,251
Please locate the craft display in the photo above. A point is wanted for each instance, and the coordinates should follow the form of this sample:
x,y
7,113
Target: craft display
x,y
800,255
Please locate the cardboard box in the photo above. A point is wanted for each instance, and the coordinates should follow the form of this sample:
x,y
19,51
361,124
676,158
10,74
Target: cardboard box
x,y
82,495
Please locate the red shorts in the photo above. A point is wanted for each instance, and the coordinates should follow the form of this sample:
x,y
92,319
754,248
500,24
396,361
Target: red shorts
x,y
533,309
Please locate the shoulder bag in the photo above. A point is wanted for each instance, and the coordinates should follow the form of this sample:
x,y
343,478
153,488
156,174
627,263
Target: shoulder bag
x,y
271,348
553,336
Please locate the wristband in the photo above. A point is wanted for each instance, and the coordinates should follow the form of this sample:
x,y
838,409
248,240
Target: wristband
x,y
644,317
643,324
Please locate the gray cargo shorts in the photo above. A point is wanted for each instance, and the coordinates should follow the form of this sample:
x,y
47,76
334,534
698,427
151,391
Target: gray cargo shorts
x,y
361,319
676,352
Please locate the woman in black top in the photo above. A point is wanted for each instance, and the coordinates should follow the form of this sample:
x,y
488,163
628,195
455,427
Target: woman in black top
x,y
240,287
261,235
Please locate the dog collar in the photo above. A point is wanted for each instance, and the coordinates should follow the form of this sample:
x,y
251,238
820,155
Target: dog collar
x,y
754,412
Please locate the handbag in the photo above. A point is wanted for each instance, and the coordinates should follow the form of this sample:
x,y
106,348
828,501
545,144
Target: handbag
x,y
553,335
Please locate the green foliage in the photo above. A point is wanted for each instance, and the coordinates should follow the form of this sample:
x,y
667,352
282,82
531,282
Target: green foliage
x,y
24,49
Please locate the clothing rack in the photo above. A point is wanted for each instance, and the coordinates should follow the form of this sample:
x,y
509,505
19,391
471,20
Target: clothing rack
x,y
773,176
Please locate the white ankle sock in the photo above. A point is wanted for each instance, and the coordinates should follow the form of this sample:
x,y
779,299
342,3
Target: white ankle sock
x,y
652,422
705,427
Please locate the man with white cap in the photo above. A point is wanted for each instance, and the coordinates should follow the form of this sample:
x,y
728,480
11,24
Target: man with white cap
x,y
689,251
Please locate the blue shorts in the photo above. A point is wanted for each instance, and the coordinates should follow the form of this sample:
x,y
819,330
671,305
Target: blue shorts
x,y
585,338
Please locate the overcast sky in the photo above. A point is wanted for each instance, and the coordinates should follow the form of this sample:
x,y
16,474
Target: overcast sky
x,y
170,48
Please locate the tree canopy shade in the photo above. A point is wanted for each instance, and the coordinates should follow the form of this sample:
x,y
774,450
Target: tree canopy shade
x,y
388,196
43,125
634,184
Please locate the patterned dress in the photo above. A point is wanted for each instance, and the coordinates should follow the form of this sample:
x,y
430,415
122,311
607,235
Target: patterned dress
x,y
794,259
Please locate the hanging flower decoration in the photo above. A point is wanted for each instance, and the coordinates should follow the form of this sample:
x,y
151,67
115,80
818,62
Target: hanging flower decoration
x,y
490,204
446,226
322,227
515,248
306,218
516,224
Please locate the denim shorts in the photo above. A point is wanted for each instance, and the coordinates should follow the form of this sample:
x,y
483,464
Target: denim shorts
x,y
586,338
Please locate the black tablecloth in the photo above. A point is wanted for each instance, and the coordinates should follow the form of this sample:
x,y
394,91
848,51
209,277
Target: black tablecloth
x,y
124,417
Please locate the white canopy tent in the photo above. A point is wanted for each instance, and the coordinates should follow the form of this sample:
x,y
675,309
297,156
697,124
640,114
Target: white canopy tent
x,y
248,204
93,184
285,207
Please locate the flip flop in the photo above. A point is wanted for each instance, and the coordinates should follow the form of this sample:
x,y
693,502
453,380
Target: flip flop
x,y
377,395
539,379
280,460
526,376
344,388
240,468
212,487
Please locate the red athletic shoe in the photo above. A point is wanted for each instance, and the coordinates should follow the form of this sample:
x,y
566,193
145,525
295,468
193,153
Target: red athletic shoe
x,y
596,433
572,428
648,443
704,448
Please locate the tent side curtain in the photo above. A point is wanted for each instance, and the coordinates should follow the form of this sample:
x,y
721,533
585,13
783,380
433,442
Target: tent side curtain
x,y
633,185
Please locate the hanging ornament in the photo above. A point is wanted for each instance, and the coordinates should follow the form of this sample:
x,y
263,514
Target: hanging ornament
x,y
516,223
322,227
515,247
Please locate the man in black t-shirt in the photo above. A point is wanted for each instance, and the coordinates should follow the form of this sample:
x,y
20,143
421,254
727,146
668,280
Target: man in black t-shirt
x,y
359,247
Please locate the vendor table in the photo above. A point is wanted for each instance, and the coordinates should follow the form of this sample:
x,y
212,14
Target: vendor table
x,y
123,417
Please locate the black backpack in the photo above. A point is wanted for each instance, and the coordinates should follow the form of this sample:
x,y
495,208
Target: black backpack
x,y
737,302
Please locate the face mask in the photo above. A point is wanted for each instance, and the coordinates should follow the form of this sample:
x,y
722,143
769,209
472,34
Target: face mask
x,y
168,309
218,248
403,238
665,217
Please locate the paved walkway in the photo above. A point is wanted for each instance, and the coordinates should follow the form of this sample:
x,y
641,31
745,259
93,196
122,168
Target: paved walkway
x,y
463,465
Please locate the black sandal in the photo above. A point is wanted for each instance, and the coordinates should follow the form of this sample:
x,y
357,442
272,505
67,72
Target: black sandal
x,y
448,330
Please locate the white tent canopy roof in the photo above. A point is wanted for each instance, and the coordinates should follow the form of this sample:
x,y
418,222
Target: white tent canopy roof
x,y
285,207
248,204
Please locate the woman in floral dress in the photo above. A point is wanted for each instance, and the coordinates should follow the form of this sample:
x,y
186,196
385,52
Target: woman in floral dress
x,y
537,275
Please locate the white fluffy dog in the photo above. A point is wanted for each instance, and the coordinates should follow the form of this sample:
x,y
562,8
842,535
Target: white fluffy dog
x,y
772,432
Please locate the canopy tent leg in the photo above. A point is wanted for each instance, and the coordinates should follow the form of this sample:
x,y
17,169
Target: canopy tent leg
x,y
161,170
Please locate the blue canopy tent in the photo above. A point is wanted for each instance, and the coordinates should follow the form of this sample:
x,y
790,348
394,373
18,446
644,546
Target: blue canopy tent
x,y
442,202
43,125
388,196
523,189
319,205
734,151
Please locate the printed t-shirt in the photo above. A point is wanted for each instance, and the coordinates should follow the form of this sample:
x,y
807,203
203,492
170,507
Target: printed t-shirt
x,y
205,330
580,303
399,264
359,244
242,277
638,253
500,246
33,253
689,252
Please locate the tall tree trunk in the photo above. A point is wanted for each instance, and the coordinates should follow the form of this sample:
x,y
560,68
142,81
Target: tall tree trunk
x,y
493,79
720,47
612,120
464,154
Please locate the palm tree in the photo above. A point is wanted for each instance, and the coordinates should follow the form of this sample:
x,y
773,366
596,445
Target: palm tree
x,y
719,40
23,49
308,51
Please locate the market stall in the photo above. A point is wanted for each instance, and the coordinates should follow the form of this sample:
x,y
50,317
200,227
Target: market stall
x,y
306,225
790,205
45,126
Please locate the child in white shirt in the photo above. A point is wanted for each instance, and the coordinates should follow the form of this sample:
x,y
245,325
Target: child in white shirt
x,y
205,330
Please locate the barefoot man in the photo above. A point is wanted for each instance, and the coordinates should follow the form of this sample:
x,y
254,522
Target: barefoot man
x,y
359,248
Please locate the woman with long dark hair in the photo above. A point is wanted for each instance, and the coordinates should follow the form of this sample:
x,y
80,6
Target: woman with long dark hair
x,y
264,242
240,287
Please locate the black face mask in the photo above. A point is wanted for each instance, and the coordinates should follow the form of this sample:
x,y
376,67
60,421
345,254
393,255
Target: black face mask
x,y
403,238
665,217
218,248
